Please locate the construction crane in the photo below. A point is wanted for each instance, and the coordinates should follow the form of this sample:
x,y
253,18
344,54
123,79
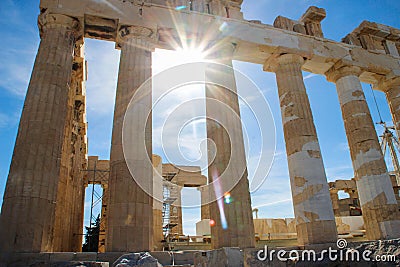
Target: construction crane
x,y
390,141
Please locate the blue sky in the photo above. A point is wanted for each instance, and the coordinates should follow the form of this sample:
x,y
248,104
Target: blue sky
x,y
20,40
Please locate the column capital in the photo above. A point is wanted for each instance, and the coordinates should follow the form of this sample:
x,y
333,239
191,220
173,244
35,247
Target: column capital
x,y
49,20
387,82
273,63
333,190
342,69
232,2
127,33
219,49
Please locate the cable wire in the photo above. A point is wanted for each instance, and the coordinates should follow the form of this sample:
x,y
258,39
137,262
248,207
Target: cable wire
x,y
376,104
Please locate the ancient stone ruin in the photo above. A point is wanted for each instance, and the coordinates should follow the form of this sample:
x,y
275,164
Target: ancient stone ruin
x,y
44,197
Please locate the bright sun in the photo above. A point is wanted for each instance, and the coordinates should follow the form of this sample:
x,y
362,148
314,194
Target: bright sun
x,y
164,59
190,55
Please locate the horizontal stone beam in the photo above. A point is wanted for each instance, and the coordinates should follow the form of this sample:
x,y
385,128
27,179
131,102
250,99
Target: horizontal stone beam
x,y
255,42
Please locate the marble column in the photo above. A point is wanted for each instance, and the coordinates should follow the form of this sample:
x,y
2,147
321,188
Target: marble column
x,y
377,199
79,140
315,221
233,221
391,87
29,204
79,210
68,224
130,219
77,147
205,206
335,201
158,235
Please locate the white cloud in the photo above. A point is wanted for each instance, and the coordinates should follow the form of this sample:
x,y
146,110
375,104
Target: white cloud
x,y
103,61
309,76
3,120
17,70
280,153
273,198
190,217
11,14
19,53
273,203
339,172
9,120
344,146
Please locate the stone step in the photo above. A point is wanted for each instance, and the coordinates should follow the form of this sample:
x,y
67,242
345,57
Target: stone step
x,y
174,258
166,258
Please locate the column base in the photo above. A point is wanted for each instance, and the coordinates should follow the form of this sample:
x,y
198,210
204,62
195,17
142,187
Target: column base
x,y
232,257
318,232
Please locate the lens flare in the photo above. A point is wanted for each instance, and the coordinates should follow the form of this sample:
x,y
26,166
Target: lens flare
x,y
190,54
218,194
180,7
107,3
223,26
227,198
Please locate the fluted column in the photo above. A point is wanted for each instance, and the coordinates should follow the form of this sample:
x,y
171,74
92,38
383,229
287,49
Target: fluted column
x,y
377,199
335,201
130,219
157,203
315,222
103,219
29,203
234,222
68,224
205,206
391,87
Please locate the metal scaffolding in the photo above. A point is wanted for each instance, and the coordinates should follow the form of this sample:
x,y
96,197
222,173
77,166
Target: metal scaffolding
x,y
170,219
169,211
390,141
97,177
